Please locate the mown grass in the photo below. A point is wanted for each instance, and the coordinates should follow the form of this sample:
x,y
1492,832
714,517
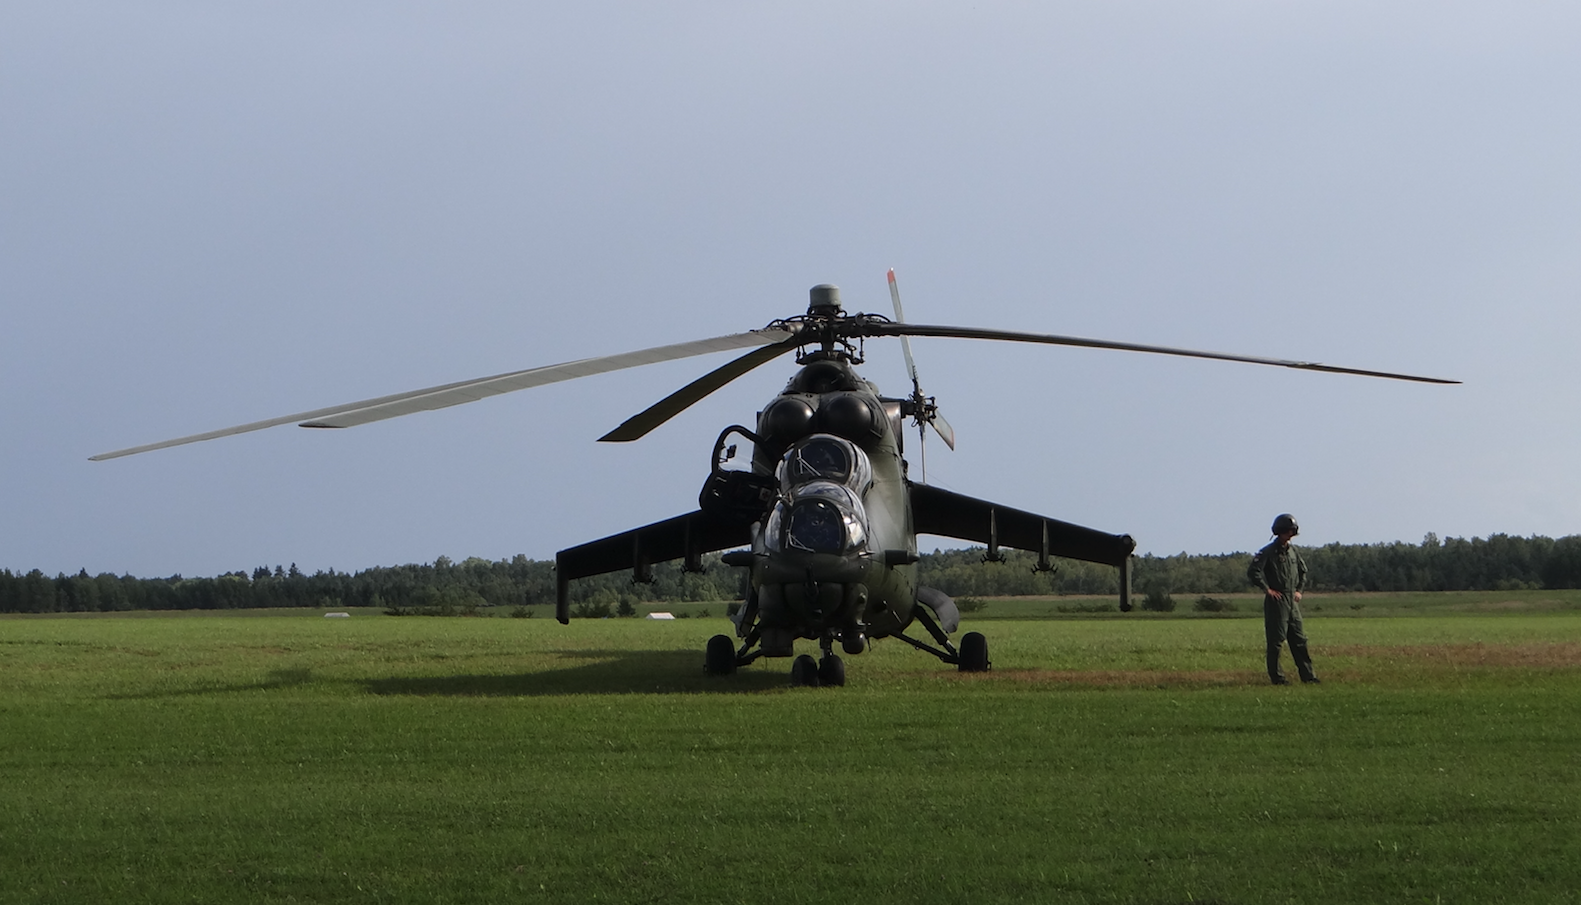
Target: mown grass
x,y
1249,605
1137,760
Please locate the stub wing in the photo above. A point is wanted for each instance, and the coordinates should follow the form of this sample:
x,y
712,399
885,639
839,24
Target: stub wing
x,y
685,536
948,514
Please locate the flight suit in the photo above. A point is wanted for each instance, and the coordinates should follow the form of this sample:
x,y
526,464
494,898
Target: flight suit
x,y
1281,568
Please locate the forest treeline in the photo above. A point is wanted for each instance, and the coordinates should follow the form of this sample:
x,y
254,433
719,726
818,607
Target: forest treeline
x,y
1499,562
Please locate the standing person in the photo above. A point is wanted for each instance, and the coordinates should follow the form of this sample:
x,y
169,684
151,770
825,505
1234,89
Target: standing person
x,y
1281,572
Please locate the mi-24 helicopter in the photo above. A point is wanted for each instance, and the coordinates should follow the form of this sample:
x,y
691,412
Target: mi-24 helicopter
x,y
824,512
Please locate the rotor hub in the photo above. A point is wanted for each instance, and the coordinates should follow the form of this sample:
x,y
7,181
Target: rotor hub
x,y
824,299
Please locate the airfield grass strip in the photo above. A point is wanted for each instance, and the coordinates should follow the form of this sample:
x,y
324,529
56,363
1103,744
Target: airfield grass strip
x,y
299,759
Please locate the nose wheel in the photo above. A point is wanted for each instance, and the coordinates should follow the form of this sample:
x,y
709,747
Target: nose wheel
x,y
828,670
809,673
831,671
804,672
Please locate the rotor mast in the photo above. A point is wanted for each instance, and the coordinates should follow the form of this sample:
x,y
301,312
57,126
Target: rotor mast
x,y
824,317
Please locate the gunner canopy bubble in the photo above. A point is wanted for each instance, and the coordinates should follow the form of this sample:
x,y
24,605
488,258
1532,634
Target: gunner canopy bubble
x,y
818,517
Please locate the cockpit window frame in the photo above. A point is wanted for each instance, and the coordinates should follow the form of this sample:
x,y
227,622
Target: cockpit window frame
x,y
781,531
795,470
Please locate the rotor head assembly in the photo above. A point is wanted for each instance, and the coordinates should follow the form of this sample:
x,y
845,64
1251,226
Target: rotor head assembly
x,y
823,299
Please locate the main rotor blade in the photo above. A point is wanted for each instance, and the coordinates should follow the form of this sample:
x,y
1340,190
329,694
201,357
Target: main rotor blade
x,y
874,328
382,407
640,424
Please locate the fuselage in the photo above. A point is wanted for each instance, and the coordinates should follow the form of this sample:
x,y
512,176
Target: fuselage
x,y
836,553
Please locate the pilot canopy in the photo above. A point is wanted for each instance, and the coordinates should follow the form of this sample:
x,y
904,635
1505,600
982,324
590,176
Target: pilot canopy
x,y
822,480
823,457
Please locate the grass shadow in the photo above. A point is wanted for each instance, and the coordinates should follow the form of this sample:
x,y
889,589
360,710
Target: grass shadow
x,y
277,679
597,672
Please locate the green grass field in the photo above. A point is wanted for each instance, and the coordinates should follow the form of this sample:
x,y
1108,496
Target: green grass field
x,y
1136,759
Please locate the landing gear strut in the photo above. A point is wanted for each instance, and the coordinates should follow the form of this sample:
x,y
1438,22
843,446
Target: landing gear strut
x,y
972,657
831,669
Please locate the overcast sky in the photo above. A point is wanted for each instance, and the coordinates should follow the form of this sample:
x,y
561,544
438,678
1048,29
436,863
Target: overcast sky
x,y
218,213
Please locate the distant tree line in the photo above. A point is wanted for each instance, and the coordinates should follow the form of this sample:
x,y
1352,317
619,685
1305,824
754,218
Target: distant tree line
x,y
442,585
1499,562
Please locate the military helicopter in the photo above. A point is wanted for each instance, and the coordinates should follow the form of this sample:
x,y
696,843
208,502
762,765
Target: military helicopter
x,y
823,512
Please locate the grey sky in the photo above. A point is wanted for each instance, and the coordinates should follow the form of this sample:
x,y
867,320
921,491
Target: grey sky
x,y
218,213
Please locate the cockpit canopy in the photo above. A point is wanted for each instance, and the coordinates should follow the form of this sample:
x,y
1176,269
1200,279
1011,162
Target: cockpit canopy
x,y
822,481
818,517
824,457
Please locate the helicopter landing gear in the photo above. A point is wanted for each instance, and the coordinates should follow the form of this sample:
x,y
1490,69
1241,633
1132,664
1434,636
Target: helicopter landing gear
x,y
974,653
831,671
720,657
972,657
804,672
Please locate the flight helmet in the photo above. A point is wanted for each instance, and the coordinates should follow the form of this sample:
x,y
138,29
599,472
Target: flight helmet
x,y
1286,522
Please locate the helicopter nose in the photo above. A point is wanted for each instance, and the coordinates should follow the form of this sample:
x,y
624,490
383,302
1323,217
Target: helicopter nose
x,y
817,602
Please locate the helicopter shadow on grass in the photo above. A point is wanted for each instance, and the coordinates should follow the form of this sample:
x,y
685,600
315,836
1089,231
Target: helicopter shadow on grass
x,y
595,672
277,680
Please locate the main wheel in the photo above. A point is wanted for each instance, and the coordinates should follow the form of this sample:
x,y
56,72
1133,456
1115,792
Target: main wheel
x,y
804,671
831,671
974,653
720,658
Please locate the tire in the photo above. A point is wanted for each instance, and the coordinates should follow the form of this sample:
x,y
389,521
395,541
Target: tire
x,y
974,653
720,658
804,672
831,672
